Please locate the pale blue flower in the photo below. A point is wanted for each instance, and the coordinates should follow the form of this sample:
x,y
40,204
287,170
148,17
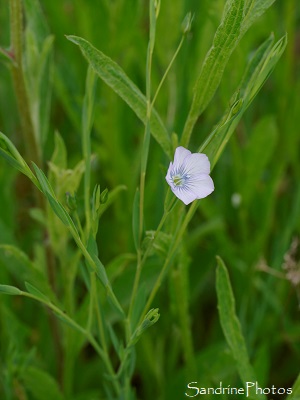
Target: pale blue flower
x,y
188,176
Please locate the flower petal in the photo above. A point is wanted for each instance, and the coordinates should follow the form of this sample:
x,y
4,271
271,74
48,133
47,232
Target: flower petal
x,y
197,163
184,194
168,176
180,154
201,185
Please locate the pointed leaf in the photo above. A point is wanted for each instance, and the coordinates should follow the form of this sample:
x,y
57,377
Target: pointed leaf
x,y
226,39
253,10
237,18
259,68
12,290
231,327
32,290
114,76
14,158
59,156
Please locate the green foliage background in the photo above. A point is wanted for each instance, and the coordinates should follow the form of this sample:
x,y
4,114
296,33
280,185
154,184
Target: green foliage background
x,y
249,221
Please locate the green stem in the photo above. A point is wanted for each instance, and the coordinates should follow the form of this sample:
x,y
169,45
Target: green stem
x,y
93,265
84,332
33,151
150,105
182,314
87,116
144,157
98,313
16,32
78,223
189,126
143,259
167,70
178,237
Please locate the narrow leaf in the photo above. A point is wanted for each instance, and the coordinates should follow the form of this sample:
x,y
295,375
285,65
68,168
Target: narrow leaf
x,y
59,156
255,8
114,76
56,206
99,267
226,39
237,18
14,158
259,68
60,211
12,290
231,327
45,185
32,290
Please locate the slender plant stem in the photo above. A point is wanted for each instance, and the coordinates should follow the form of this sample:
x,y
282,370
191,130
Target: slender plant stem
x,y
98,313
87,115
33,151
146,254
182,307
167,70
178,237
32,148
189,126
150,105
93,265
144,159
90,338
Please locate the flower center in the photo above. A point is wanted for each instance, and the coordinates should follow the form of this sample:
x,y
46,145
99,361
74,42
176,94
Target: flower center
x,y
179,180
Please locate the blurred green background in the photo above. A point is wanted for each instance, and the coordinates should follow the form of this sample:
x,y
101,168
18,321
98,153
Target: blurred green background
x,y
250,220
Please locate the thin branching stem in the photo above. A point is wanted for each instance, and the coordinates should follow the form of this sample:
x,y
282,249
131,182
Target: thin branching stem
x,y
147,252
144,160
89,337
150,104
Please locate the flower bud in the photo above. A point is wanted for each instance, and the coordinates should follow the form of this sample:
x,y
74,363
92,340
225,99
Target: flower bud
x,y
150,318
71,201
187,23
104,196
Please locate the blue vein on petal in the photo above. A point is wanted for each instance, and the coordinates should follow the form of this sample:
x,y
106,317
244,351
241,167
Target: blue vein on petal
x,y
180,177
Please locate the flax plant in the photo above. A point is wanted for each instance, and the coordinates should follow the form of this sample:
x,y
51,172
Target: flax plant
x,y
91,314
